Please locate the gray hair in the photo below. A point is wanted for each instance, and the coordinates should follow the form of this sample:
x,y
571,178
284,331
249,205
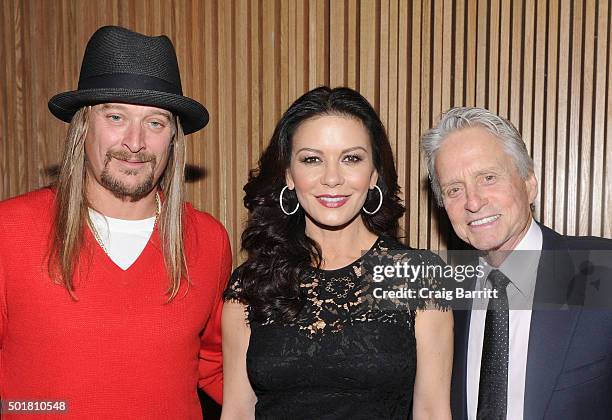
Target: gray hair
x,y
464,117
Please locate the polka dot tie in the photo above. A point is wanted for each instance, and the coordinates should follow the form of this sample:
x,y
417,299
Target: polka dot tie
x,y
493,388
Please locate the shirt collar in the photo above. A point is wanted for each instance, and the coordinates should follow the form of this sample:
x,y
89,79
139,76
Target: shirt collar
x,y
518,265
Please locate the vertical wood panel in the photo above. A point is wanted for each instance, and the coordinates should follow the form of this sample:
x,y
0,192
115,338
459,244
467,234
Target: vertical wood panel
x,y
414,178
517,64
208,150
562,122
546,65
384,63
11,160
528,52
403,115
481,53
447,57
493,57
459,44
337,43
607,210
368,51
242,119
425,115
547,182
471,29
538,94
575,123
5,65
586,137
285,42
599,121
226,79
505,35
255,130
300,72
436,59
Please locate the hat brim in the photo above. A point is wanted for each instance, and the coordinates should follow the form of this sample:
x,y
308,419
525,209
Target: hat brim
x,y
192,114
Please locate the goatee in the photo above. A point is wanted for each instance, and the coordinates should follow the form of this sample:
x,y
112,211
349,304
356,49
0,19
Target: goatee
x,y
121,189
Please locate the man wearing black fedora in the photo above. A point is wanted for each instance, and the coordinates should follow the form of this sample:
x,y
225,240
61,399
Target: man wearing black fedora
x,y
110,284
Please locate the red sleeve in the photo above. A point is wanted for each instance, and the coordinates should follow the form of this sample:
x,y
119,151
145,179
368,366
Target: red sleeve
x,y
211,362
3,315
2,304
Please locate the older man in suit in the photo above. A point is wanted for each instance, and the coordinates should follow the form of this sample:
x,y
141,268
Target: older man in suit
x,y
533,353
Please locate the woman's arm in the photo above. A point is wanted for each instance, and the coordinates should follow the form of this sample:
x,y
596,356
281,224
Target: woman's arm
x,y
434,337
238,396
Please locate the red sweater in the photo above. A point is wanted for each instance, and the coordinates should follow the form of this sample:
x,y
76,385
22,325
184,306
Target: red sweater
x,y
120,351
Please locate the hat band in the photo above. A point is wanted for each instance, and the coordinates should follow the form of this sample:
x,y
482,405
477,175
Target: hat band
x,y
129,81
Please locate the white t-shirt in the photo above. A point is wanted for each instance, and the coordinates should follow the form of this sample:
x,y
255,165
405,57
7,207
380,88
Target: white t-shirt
x,y
124,239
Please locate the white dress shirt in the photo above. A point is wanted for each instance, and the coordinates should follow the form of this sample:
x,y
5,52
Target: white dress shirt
x,y
124,239
522,269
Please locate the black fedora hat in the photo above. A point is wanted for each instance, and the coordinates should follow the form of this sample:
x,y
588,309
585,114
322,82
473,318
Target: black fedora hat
x,y
120,65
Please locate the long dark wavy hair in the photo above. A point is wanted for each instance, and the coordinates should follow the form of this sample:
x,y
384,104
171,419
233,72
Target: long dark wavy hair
x,y
280,255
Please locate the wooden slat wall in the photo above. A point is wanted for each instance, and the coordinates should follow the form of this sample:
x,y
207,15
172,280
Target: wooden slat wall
x,y
547,65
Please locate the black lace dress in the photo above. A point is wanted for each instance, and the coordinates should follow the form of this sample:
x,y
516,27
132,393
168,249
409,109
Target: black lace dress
x,y
350,354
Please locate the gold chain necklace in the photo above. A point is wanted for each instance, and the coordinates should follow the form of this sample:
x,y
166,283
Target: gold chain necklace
x,y
97,235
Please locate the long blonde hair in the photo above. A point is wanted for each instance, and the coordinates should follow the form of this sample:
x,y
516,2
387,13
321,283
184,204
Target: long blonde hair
x,y
72,216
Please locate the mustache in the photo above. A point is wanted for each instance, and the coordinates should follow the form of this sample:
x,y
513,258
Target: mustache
x,y
130,157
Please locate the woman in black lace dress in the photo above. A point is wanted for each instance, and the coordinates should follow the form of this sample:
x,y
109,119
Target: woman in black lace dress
x,y
307,333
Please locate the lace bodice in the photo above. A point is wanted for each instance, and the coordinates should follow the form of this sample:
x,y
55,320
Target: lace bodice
x,y
349,353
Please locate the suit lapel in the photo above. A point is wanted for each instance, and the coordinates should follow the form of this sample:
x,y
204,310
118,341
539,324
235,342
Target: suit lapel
x,y
551,327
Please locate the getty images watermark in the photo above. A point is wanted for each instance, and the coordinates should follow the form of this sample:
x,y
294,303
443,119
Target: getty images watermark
x,y
446,286
565,279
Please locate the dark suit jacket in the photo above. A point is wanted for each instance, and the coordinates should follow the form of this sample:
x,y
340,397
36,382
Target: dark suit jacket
x,y
569,361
